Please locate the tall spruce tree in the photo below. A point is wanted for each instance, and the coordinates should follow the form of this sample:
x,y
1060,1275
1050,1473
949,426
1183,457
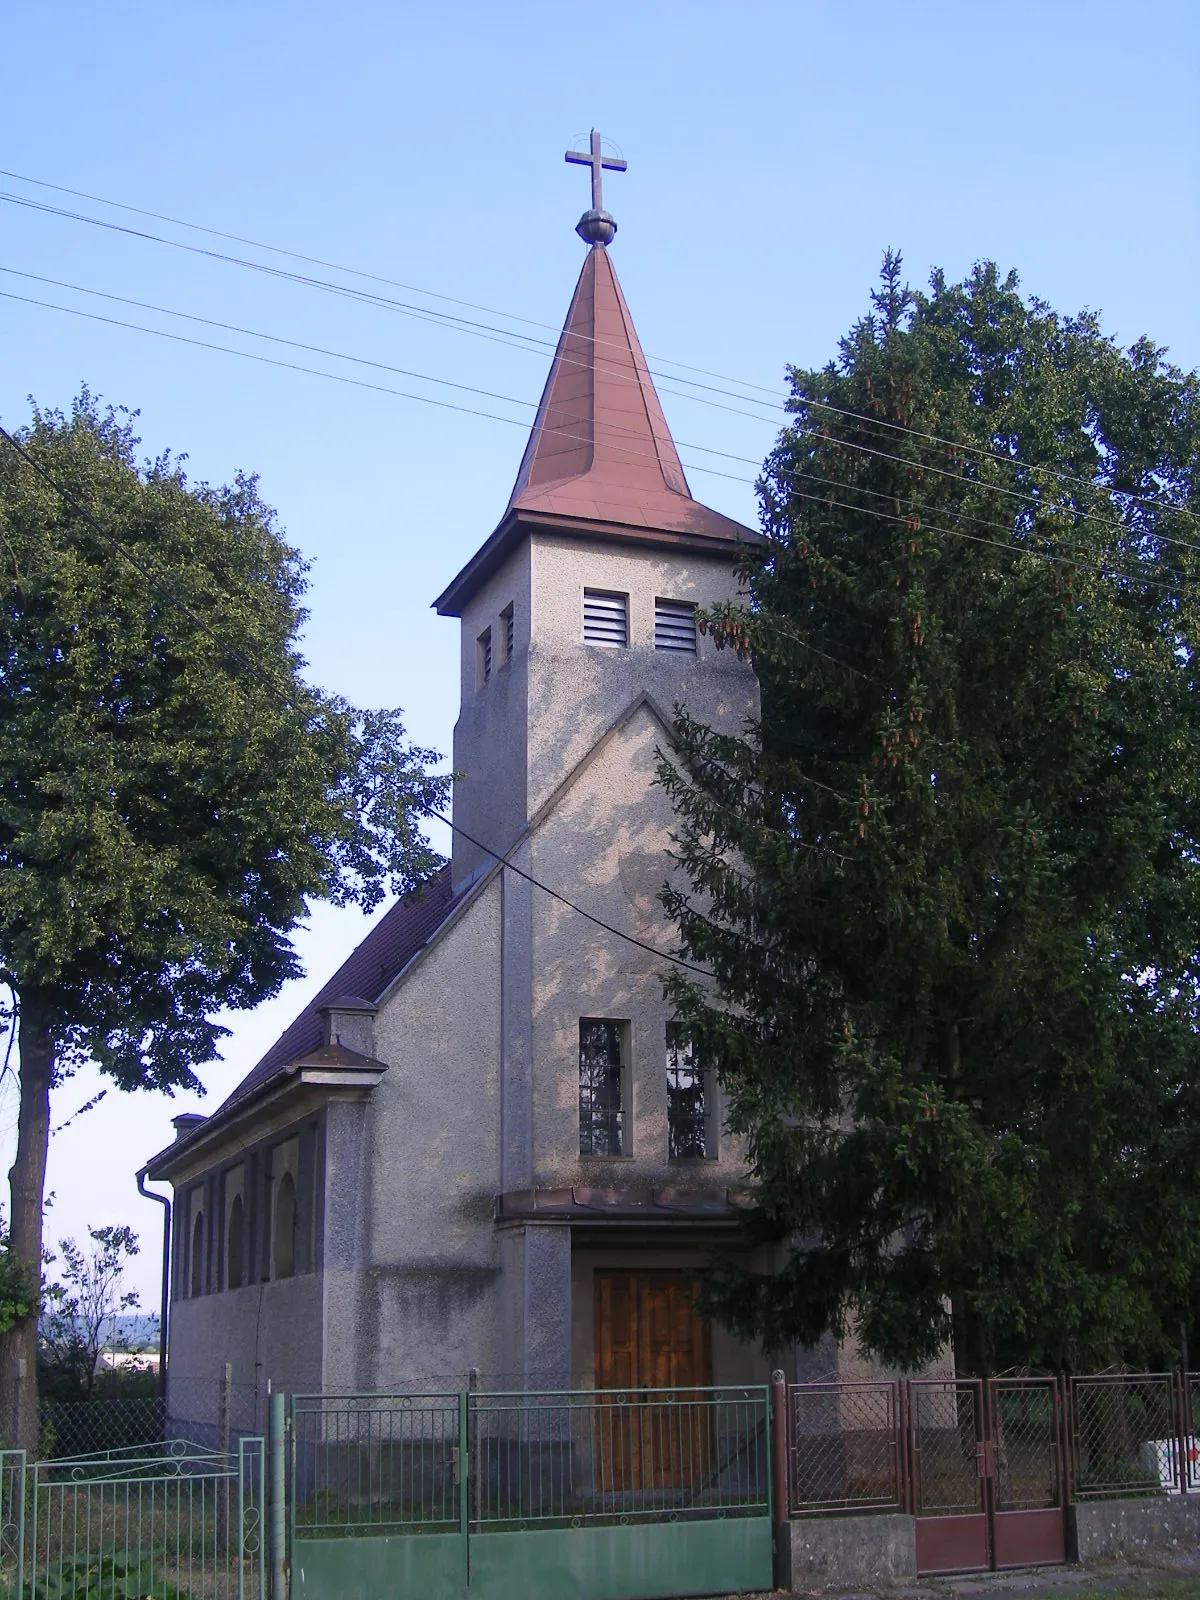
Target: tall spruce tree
x,y
172,792
949,883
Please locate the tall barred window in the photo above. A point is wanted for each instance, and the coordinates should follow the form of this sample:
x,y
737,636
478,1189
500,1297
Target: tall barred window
x,y
601,1087
688,1109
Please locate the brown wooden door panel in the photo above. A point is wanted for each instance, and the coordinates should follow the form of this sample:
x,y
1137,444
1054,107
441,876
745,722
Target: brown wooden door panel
x,y
649,1336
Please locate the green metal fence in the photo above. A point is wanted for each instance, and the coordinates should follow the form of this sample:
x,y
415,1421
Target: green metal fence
x,y
583,1494
151,1523
13,1497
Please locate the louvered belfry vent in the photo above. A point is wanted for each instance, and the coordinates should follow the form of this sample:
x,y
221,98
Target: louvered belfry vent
x,y
675,626
605,618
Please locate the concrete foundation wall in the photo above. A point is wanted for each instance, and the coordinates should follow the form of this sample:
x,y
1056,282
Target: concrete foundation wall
x,y
852,1550
1100,1528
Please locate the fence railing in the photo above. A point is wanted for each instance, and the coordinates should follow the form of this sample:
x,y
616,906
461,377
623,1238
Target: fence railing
x,y
375,1464
1126,1431
602,1455
163,1522
844,1447
208,1413
928,1446
152,1522
82,1427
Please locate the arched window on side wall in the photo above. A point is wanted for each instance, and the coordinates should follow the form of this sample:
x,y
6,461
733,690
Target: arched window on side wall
x,y
285,1227
233,1257
197,1285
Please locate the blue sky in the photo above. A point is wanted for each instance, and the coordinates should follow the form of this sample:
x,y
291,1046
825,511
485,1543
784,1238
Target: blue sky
x,y
774,151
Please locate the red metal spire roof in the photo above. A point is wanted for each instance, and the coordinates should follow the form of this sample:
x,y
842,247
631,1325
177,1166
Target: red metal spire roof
x,y
600,447
600,461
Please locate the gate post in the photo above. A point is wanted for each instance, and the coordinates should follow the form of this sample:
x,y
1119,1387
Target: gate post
x,y
1182,1430
278,1498
780,1478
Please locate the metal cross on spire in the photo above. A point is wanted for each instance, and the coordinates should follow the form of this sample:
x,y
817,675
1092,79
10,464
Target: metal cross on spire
x,y
596,226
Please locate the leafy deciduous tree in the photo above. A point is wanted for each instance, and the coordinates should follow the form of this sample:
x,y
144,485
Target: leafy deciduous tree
x,y
172,792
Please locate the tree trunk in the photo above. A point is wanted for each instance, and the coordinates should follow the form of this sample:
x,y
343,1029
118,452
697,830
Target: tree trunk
x,y
973,1353
19,1415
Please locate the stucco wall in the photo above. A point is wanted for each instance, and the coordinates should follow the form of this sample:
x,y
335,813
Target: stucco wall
x,y
418,1298
605,842
265,1331
576,690
489,736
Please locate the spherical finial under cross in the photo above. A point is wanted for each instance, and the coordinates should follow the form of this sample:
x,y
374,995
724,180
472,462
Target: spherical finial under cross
x,y
596,227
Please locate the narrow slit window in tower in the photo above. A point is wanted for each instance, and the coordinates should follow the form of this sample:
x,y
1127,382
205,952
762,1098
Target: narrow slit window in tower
x,y
197,1283
235,1245
285,1227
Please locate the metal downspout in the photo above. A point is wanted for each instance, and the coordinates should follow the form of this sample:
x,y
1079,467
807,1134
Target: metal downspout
x,y
162,1200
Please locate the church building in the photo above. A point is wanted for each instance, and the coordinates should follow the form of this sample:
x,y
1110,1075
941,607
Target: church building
x,y
484,1148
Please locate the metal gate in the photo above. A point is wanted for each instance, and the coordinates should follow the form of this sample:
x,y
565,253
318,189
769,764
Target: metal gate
x,y
948,1473
584,1495
1027,1472
164,1519
987,1473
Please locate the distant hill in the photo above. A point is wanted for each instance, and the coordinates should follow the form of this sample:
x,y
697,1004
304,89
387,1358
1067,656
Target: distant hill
x,y
134,1332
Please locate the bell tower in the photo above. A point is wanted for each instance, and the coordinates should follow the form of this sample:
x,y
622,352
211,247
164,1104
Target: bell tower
x,y
584,596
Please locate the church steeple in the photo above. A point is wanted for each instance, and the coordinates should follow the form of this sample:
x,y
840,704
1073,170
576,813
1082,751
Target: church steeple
x,y
600,449
600,461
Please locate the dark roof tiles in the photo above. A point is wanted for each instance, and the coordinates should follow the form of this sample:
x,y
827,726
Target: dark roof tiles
x,y
372,966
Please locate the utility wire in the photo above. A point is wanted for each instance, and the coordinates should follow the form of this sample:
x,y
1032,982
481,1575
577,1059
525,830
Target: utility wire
x,y
251,666
793,477
507,335
503,336
355,272
510,866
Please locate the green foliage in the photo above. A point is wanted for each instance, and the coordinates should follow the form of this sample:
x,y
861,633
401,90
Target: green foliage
x,y
18,1288
948,883
121,1575
170,798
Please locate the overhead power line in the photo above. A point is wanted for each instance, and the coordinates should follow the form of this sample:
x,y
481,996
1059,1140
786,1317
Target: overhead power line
x,y
1073,560
289,704
508,336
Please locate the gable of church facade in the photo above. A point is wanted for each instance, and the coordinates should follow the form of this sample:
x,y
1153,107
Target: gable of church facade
x,y
608,837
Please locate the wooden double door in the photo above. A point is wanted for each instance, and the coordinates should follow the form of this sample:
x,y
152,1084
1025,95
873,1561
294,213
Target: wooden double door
x,y
654,1357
